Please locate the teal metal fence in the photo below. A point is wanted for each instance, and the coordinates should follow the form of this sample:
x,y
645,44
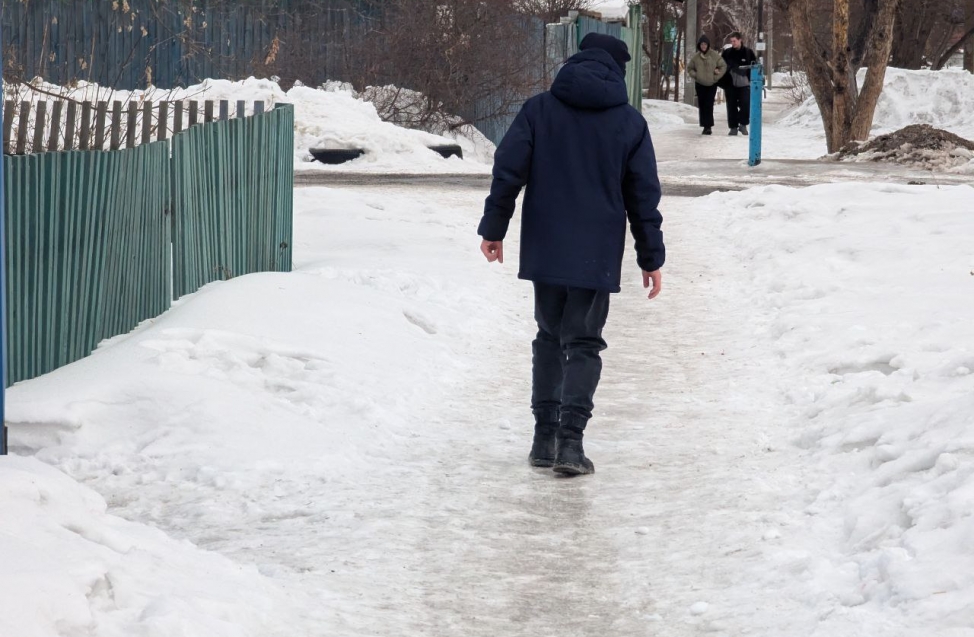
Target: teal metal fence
x,y
232,215
89,235
87,245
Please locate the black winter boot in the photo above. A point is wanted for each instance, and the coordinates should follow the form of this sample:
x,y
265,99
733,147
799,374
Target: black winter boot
x,y
570,459
707,131
543,450
732,132
743,129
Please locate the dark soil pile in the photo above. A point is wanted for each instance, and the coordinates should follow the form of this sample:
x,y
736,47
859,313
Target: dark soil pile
x,y
917,145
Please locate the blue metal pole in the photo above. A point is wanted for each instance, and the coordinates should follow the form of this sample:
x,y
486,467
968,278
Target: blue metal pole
x,y
3,293
757,92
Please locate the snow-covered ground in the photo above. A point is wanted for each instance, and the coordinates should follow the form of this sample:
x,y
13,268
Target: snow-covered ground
x,y
782,438
940,98
333,117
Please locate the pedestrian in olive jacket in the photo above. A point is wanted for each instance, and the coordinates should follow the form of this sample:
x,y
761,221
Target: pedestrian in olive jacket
x,y
706,68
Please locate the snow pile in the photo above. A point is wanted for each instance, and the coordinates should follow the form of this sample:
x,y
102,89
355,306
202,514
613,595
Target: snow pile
x,y
266,418
663,114
333,117
69,568
939,98
869,293
918,145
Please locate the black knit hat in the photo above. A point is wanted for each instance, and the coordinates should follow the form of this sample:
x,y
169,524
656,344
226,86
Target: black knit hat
x,y
613,46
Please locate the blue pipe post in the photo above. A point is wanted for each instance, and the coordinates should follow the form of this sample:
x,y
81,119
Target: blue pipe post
x,y
3,295
757,92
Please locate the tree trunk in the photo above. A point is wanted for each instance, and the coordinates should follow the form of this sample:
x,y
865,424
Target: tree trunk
x,y
843,86
969,45
914,24
814,60
877,58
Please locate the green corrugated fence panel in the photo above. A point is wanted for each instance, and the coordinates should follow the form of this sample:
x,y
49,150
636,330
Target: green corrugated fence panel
x,y
233,199
98,242
87,251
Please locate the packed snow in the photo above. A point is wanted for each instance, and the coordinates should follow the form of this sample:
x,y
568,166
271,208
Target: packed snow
x,y
783,437
661,114
868,292
342,448
333,116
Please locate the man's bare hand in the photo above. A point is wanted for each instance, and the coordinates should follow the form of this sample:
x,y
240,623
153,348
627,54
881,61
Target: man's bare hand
x,y
493,250
656,278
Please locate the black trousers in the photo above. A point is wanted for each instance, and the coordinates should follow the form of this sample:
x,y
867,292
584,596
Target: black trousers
x,y
706,95
567,363
738,106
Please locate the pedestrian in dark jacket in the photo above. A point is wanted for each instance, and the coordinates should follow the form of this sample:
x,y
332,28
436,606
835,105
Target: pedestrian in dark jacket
x,y
586,161
737,84
706,68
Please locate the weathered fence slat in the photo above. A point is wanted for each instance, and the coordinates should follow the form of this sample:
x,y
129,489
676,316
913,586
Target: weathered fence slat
x,y
52,143
147,109
163,126
23,127
116,125
84,141
101,113
9,108
69,126
131,125
178,118
40,124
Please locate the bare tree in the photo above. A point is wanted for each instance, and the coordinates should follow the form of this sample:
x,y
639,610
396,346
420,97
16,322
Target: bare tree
x,y
832,63
925,30
477,59
551,11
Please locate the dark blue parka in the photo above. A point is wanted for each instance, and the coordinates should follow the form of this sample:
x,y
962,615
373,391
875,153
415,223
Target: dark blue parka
x,y
587,161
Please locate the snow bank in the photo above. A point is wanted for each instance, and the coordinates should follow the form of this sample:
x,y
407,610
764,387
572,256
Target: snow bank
x,y
265,418
332,118
869,292
940,98
663,114
69,568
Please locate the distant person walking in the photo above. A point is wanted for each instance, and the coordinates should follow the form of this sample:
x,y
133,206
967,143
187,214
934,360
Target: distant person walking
x,y
706,68
586,162
737,84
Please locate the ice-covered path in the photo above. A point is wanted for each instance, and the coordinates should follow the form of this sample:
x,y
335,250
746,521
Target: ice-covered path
x,y
665,539
276,420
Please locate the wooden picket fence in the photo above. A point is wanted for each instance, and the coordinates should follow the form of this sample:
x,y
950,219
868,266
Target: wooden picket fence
x,y
41,126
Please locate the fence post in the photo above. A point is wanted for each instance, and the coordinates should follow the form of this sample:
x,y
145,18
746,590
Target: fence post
x,y
757,92
3,300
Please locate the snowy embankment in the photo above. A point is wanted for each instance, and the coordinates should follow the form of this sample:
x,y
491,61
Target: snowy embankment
x,y
869,293
941,99
329,117
263,418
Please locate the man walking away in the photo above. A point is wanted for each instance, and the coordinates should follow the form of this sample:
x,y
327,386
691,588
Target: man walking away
x,y
737,84
706,68
588,164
